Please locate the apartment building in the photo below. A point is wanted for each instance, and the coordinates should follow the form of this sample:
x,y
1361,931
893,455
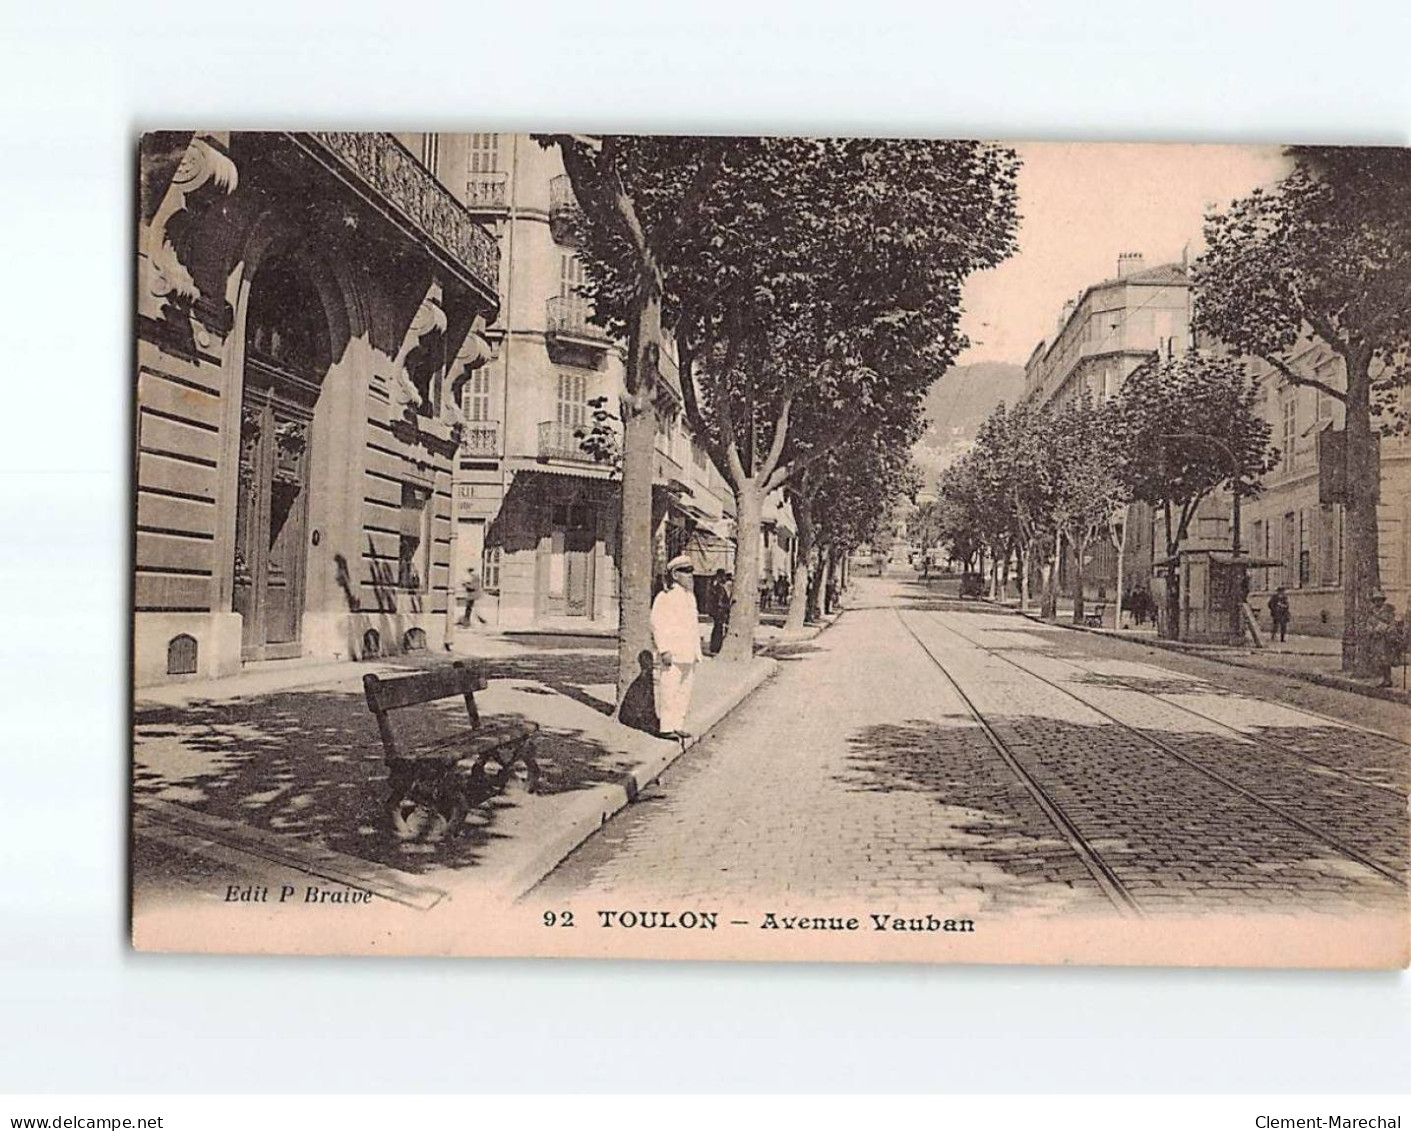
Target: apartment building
x,y
1297,521
307,305
536,514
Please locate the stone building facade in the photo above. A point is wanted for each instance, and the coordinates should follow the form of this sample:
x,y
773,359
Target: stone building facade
x,y
536,514
309,306
1296,521
1110,329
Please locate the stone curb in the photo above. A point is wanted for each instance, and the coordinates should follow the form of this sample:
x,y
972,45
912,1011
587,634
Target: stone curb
x,y
1321,679
592,809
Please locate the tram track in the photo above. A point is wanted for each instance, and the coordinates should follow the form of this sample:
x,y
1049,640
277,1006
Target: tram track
x,y
1102,873
1328,839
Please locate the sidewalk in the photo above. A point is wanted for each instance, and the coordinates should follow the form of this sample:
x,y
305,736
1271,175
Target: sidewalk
x,y
1313,659
282,769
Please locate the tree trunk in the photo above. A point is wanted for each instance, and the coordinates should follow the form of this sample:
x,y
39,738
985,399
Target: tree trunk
x,y
634,635
1049,611
814,587
827,562
1024,556
802,505
1363,572
1075,553
1171,629
744,606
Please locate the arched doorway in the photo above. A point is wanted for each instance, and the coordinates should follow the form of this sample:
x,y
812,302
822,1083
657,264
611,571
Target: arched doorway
x,y
286,356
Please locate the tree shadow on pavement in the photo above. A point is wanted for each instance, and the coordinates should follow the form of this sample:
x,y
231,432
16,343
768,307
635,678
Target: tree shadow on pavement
x,y
1180,838
309,764
955,766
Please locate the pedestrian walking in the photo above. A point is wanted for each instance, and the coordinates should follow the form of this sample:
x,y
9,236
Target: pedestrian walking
x,y
473,592
1279,612
781,591
677,636
722,591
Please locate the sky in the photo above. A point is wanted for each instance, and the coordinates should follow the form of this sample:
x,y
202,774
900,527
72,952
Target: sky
x,y
1082,205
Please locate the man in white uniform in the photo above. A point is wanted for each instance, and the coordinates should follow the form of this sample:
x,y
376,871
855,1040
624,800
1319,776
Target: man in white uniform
x,y
677,635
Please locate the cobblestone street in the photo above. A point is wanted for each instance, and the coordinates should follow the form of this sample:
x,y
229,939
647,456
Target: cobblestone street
x,y
1105,774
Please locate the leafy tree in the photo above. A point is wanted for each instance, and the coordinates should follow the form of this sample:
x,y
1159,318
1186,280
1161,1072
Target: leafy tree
x,y
1188,425
841,498
1087,487
1017,457
1325,253
624,224
815,294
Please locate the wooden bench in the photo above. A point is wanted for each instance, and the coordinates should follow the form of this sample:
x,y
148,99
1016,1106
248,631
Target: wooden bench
x,y
433,787
1093,614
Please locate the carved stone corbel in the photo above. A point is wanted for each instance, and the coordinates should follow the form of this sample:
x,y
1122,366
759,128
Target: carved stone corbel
x,y
429,318
201,164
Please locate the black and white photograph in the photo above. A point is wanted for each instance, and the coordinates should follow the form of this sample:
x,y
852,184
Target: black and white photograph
x,y
771,547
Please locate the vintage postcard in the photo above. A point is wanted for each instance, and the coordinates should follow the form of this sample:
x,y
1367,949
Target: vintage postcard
x,y
817,549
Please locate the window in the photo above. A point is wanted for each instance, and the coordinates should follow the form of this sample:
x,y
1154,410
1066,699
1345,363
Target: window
x,y
477,396
1329,545
1290,431
573,400
1289,547
490,568
431,151
570,274
1260,544
484,153
414,545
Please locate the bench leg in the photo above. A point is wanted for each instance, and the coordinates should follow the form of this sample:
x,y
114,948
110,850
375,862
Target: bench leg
x,y
521,751
425,801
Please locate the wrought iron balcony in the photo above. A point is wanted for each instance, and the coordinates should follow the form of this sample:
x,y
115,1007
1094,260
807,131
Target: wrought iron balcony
x,y
566,317
564,212
394,182
558,441
480,438
487,192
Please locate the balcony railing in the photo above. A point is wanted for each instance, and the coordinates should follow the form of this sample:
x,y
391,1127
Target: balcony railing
x,y
481,438
389,176
486,192
564,212
557,441
566,316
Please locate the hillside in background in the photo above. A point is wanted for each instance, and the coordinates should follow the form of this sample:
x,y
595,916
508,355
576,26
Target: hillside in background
x,y
957,405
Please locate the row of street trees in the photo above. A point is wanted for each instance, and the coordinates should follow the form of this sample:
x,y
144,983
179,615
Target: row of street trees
x,y
811,290
1044,480
1325,255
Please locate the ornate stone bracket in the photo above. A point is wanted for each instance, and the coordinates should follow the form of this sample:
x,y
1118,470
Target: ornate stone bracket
x,y
429,317
201,164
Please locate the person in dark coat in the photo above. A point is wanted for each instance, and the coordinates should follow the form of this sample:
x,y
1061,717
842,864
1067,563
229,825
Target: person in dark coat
x,y
722,591
1384,636
1279,612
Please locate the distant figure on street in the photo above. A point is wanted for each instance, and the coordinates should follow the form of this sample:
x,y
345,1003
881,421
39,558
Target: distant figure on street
x,y
473,593
1140,604
677,636
1384,636
766,588
1279,612
722,591
781,591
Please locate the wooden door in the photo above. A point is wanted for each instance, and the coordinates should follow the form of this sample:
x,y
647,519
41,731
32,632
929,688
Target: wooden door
x,y
578,573
271,517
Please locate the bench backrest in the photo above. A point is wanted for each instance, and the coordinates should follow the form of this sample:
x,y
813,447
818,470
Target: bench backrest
x,y
385,695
